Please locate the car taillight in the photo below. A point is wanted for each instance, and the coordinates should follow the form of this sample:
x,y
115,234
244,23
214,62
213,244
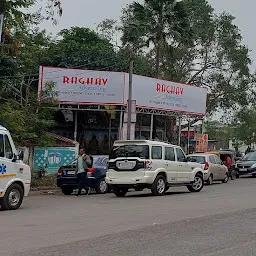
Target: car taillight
x,y
206,166
91,170
59,172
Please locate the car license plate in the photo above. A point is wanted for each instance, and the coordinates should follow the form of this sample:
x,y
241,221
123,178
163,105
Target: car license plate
x,y
243,170
71,172
126,165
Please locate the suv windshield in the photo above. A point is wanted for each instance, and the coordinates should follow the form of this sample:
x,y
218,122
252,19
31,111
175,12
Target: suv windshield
x,y
250,157
141,151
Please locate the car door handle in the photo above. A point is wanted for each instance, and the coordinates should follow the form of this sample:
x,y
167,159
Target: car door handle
x,y
180,165
166,164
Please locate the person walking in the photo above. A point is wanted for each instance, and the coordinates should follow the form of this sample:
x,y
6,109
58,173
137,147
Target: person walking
x,y
82,168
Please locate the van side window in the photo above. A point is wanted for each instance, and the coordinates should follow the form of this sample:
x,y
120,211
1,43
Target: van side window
x,y
169,154
8,148
156,152
1,145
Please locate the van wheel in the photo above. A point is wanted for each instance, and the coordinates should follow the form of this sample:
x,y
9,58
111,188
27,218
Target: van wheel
x,y
13,197
120,192
102,187
226,178
159,186
67,191
197,184
210,180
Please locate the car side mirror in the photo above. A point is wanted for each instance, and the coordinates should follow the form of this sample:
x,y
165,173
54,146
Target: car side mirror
x,y
21,155
15,158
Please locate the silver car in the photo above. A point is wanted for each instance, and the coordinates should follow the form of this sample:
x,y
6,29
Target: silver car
x,y
214,169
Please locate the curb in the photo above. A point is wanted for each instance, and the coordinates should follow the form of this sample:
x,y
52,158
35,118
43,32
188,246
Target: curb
x,y
44,191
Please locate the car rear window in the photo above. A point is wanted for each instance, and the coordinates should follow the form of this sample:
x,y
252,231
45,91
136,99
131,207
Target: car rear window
x,y
198,159
140,151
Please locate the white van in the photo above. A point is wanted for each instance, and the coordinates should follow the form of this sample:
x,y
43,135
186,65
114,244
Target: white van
x,y
15,176
155,165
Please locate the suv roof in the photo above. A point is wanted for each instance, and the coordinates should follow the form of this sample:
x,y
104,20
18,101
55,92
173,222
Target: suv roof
x,y
149,142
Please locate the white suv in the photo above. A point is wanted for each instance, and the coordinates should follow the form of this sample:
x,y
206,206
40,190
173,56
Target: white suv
x,y
155,165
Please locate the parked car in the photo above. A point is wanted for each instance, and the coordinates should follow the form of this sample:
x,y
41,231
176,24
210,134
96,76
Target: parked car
x,y
67,179
214,169
141,164
222,154
247,165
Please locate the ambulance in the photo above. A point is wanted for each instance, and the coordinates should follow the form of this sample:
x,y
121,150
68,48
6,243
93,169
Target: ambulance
x,y
15,176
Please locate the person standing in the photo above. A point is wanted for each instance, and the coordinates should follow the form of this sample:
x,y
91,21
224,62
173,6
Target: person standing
x,y
228,162
82,168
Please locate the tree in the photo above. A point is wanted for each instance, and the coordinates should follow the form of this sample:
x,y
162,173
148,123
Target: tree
x,y
217,59
244,125
154,22
16,15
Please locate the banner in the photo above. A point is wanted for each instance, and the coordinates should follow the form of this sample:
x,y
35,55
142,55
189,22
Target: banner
x,y
84,86
75,86
201,143
165,95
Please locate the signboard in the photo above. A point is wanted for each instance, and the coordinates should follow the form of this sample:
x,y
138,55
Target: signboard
x,y
165,95
201,143
84,86
77,86
51,159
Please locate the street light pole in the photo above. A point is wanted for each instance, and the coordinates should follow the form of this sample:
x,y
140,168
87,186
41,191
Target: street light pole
x,y
1,26
129,103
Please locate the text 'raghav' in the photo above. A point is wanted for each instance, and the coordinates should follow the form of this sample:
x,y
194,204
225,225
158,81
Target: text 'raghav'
x,y
171,89
84,81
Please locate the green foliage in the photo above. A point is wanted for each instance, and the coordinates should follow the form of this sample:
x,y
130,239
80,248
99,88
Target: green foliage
x,y
29,121
244,126
189,42
155,22
221,132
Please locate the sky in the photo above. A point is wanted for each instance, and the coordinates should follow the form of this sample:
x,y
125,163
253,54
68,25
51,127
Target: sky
x,y
89,13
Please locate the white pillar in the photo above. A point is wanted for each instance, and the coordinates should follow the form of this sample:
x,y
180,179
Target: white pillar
x,y
151,126
75,130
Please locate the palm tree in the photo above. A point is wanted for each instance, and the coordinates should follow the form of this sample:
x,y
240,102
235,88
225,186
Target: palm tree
x,y
155,23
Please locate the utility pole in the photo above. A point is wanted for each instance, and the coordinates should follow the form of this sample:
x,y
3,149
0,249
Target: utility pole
x,y
1,26
129,103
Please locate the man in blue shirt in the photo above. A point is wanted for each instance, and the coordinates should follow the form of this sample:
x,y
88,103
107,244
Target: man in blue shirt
x,y
81,170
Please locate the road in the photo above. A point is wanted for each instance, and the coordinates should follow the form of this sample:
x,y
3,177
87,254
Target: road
x,y
220,220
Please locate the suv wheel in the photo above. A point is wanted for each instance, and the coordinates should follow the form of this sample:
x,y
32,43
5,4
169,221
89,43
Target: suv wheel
x,y
102,187
13,197
159,186
67,191
120,192
197,184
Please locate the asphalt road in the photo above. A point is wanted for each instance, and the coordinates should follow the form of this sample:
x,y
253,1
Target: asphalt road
x,y
220,220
